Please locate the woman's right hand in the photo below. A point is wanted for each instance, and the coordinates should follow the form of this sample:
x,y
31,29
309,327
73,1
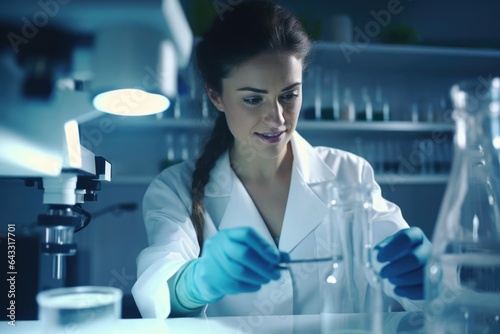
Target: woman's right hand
x,y
233,261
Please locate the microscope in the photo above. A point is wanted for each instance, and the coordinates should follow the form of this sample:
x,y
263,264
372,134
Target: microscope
x,y
63,64
65,216
40,141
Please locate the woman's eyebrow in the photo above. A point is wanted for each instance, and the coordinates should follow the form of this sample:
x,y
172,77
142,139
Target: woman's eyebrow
x,y
251,89
263,91
291,86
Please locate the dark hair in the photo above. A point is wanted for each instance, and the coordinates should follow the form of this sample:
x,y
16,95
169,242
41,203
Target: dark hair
x,y
247,30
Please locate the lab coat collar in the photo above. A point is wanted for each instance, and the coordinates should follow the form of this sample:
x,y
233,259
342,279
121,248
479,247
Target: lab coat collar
x,y
241,211
305,210
312,168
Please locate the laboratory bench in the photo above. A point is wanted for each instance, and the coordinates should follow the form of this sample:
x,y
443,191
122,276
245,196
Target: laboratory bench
x,y
395,322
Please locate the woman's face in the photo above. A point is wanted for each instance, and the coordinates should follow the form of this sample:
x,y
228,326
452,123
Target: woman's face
x,y
262,98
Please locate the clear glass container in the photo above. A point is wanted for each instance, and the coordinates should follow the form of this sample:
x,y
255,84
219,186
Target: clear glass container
x,y
462,284
348,109
352,290
81,309
380,106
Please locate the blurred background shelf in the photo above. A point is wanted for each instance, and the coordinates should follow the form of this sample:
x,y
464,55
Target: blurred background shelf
x,y
382,179
389,126
404,179
151,123
433,60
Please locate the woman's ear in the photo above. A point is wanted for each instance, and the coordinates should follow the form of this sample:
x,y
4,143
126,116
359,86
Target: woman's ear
x,y
215,98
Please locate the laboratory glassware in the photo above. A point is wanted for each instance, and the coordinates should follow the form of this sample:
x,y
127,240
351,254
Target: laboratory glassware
x,y
81,309
348,109
352,290
462,284
380,106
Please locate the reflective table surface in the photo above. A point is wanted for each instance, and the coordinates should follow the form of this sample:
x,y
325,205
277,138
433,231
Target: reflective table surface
x,y
396,322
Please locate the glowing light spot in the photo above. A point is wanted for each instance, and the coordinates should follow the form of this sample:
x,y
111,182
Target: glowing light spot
x,y
496,142
331,280
434,270
130,102
495,82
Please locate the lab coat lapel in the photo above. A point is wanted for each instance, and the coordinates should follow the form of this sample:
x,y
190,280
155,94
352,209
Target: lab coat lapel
x,y
304,212
306,207
241,211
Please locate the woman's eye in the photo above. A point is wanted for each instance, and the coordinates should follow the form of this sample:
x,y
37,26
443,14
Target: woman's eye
x,y
289,97
252,101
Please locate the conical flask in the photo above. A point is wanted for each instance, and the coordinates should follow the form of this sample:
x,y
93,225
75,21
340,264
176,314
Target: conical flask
x,y
462,284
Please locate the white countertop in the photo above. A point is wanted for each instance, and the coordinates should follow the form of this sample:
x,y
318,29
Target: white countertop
x,y
397,322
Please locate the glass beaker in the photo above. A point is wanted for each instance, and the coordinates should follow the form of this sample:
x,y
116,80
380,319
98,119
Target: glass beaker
x,y
352,289
462,285
81,309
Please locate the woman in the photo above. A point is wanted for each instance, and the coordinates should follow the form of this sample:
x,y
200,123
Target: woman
x,y
219,227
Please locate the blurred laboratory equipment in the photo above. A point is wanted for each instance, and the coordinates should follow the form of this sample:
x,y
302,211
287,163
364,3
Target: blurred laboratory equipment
x,y
183,147
425,148
415,117
351,284
330,91
65,216
318,92
121,62
431,112
403,157
390,164
82,309
380,157
348,109
463,274
325,97
170,158
180,146
364,110
328,80
381,109
188,103
335,95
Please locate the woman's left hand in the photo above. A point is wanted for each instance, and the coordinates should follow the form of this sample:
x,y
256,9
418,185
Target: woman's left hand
x,y
407,252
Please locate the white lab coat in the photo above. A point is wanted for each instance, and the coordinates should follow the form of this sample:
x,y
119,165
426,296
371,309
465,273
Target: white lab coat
x,y
172,238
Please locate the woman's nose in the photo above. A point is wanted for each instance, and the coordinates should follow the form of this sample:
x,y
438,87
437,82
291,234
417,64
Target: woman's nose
x,y
274,115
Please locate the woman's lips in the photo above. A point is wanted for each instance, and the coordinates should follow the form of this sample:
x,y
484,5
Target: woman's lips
x,y
271,138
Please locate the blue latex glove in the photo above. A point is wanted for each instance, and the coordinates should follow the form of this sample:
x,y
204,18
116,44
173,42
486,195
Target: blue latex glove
x,y
407,252
233,261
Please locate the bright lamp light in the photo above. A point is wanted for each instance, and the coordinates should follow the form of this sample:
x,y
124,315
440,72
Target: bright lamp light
x,y
135,71
130,102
